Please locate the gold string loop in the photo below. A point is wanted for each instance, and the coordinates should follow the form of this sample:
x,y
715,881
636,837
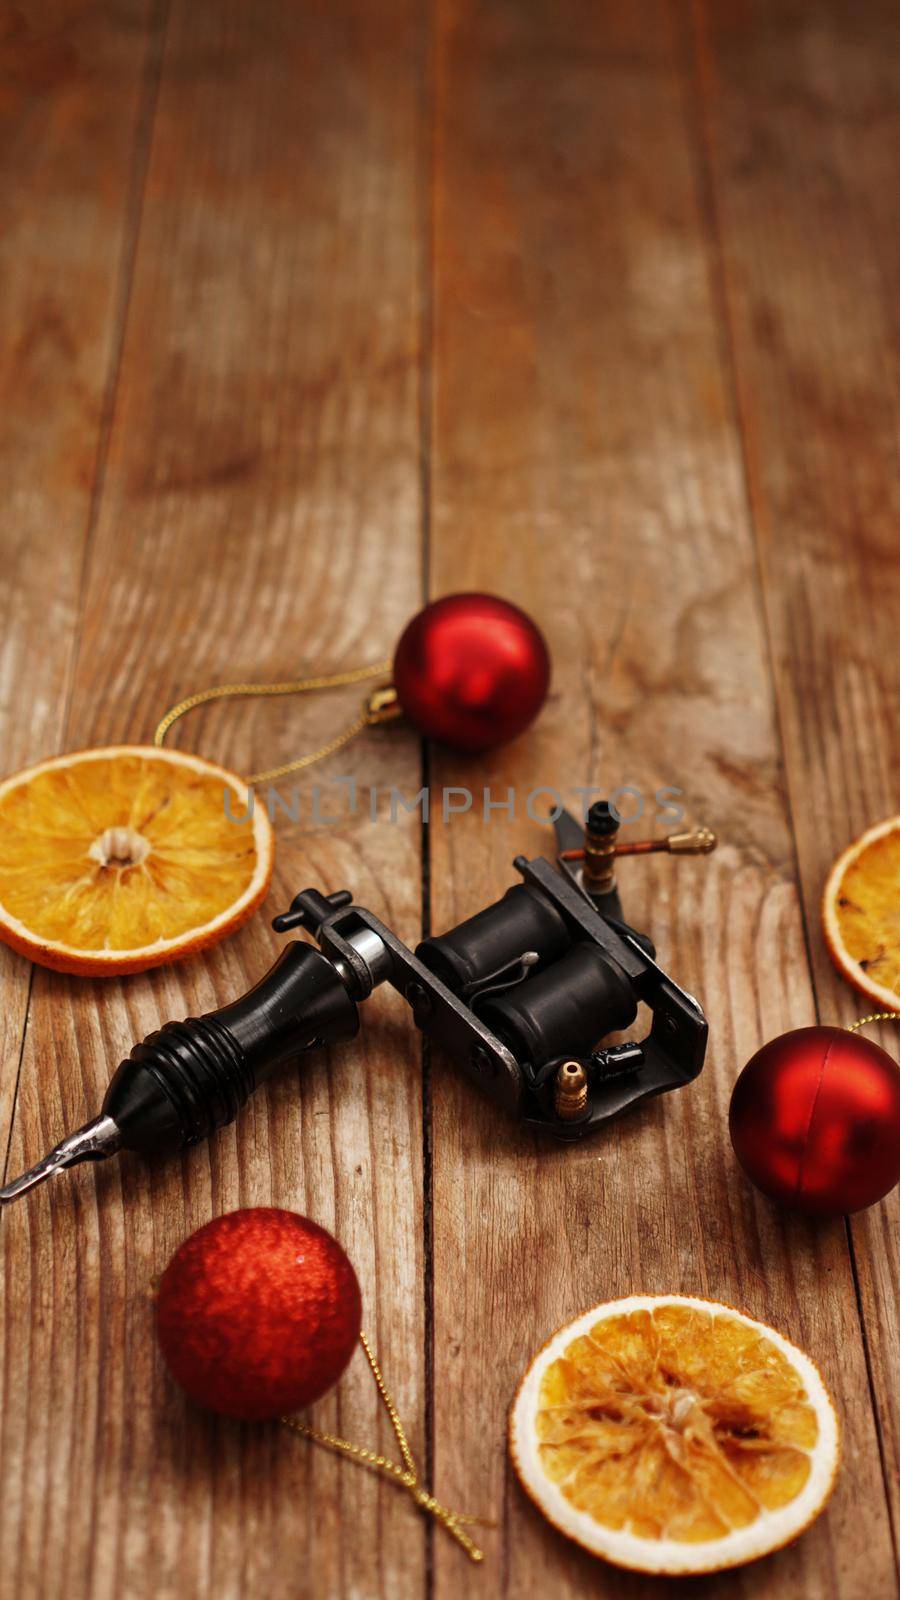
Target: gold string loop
x,y
407,1476
877,1016
331,680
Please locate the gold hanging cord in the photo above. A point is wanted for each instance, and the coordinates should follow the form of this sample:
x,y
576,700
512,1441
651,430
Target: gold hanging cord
x,y
877,1016
379,707
407,1476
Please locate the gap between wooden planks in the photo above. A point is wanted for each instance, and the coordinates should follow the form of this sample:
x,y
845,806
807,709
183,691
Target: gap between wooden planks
x,y
586,445
262,467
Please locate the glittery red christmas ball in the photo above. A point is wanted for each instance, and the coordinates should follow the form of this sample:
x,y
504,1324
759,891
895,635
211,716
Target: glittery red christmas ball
x,y
815,1121
258,1313
471,671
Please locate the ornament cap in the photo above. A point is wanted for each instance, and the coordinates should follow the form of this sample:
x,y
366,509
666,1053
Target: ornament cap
x,y
382,705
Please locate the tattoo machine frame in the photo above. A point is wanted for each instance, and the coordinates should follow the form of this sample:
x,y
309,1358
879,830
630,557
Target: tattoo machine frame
x,y
520,996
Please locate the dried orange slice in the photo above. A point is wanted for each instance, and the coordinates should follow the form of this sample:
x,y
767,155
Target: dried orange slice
x,y
674,1435
861,913
119,859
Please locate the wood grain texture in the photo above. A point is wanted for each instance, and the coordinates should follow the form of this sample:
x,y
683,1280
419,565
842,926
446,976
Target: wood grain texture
x,y
797,113
260,513
586,456
653,286
70,166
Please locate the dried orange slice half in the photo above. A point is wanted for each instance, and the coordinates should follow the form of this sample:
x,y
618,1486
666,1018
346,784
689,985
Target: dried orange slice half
x,y
674,1435
861,913
119,859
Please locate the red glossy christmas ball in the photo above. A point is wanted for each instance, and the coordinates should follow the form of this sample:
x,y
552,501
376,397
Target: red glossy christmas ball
x,y
471,670
815,1121
258,1313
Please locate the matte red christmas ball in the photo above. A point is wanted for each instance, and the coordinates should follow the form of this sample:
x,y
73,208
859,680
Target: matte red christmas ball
x,y
471,671
258,1313
815,1121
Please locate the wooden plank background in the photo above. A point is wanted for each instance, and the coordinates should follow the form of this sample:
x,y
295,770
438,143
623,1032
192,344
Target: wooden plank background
x,y
311,312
